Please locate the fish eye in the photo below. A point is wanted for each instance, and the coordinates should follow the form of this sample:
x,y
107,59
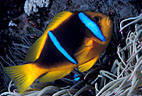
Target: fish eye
x,y
92,26
96,19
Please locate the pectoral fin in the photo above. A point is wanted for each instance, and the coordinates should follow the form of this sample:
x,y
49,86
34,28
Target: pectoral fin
x,y
86,66
84,54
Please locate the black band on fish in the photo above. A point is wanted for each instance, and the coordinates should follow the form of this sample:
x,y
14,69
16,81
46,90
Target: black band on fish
x,y
60,48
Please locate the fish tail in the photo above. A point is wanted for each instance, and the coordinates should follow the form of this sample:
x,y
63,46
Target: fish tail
x,y
24,75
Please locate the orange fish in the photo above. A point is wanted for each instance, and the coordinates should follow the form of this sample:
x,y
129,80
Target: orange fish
x,y
72,39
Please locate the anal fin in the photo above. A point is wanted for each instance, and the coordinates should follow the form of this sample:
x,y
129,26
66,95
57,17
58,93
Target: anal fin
x,y
54,75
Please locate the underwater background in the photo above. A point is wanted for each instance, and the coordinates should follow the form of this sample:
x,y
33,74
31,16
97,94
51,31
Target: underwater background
x,y
23,21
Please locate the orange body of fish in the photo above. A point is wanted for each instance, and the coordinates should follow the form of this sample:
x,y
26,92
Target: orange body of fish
x,y
72,39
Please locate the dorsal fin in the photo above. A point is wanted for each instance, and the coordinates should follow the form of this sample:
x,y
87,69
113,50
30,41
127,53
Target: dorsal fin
x,y
36,49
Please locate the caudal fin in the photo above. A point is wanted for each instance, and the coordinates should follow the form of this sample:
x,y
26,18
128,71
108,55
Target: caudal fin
x,y
24,75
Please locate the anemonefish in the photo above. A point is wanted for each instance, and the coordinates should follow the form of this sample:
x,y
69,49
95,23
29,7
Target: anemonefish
x,y
72,39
